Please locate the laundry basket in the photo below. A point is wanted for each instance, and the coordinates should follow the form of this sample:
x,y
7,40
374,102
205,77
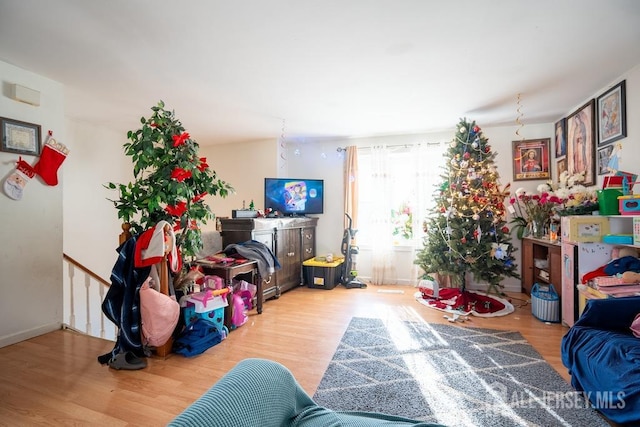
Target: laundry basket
x,y
545,303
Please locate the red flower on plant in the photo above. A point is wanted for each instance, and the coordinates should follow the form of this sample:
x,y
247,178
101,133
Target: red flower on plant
x,y
177,209
203,164
178,140
198,197
180,174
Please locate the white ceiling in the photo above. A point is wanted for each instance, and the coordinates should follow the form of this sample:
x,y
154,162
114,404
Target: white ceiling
x,y
303,69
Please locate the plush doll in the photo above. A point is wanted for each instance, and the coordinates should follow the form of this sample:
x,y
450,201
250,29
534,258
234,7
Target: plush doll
x,y
624,262
627,261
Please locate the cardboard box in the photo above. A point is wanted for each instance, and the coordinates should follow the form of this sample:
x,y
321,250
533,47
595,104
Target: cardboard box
x,y
322,274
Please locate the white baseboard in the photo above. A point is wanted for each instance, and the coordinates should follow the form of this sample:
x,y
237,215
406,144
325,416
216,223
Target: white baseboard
x,y
31,333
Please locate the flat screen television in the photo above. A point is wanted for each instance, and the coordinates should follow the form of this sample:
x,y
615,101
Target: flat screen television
x,y
293,197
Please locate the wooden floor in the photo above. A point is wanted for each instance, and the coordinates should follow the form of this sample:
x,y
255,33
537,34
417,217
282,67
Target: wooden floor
x,y
55,379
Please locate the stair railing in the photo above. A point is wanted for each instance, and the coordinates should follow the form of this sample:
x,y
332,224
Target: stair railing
x,y
84,292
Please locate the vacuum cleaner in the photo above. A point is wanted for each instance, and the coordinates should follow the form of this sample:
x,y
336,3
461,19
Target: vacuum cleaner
x,y
348,276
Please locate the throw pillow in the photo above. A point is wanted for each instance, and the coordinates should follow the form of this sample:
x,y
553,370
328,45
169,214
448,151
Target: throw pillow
x,y
635,326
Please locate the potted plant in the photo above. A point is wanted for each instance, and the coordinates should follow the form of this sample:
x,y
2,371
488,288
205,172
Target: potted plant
x,y
171,181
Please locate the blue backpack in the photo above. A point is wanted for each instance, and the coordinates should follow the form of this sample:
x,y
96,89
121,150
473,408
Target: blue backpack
x,y
196,338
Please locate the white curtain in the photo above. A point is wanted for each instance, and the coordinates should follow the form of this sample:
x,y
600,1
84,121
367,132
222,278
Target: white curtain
x,y
382,180
396,192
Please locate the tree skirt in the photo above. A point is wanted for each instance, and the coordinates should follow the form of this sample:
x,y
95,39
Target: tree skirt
x,y
453,300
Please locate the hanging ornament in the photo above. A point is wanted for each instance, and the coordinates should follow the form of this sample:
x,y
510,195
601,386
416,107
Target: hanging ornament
x,y
475,217
462,129
464,164
454,162
454,143
466,155
475,144
463,240
476,128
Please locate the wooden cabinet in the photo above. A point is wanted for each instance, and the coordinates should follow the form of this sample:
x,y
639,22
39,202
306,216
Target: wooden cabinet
x,y
541,263
292,240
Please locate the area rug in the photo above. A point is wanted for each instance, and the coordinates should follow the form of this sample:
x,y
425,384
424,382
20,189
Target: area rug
x,y
453,301
448,374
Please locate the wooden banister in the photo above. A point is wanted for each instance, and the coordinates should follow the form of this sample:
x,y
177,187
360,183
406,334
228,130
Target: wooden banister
x,y
85,269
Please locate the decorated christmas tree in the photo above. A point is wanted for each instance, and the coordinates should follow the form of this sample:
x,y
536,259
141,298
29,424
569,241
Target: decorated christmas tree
x,y
466,231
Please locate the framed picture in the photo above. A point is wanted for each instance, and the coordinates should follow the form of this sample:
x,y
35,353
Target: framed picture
x,y
604,157
531,159
612,114
561,167
19,137
561,138
581,142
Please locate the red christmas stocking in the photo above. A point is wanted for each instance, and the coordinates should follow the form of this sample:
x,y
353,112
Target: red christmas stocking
x,y
53,154
15,183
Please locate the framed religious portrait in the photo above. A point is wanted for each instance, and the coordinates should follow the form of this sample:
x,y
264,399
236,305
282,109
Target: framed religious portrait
x,y
612,114
581,144
604,157
19,137
561,138
531,159
561,167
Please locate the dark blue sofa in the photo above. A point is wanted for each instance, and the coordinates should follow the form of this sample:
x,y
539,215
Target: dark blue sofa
x,y
603,358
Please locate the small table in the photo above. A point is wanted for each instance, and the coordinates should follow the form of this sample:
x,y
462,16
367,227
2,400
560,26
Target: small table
x,y
228,271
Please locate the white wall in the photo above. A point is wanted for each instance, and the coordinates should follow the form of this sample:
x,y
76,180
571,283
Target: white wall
x,y
91,224
31,228
244,166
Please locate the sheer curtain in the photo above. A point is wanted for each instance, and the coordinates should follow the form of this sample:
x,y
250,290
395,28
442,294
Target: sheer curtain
x,y
396,192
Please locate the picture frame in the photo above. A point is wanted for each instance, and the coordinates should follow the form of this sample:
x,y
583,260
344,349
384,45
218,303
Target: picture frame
x,y
20,137
612,114
561,138
531,159
604,155
581,135
561,167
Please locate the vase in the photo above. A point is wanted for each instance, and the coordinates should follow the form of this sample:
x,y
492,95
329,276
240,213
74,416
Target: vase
x,y
537,228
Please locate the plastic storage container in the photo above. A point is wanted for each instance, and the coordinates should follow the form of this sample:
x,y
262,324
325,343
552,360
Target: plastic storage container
x,y
201,305
608,201
322,274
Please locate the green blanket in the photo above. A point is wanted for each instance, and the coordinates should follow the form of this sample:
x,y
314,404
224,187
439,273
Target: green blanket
x,y
262,393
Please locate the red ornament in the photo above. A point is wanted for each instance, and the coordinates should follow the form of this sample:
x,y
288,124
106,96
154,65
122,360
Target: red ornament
x,y
505,229
487,148
463,240
466,156
476,129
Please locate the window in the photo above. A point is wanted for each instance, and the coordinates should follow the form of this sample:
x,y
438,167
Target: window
x,y
396,186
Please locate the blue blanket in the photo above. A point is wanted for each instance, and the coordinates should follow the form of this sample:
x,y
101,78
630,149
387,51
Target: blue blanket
x,y
603,357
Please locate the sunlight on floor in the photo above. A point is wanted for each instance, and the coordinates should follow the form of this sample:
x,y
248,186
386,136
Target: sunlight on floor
x,y
438,394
